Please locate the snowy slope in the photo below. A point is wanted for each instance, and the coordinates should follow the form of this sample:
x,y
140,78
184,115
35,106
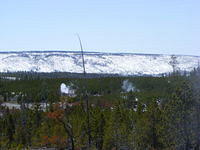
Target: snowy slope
x,y
125,64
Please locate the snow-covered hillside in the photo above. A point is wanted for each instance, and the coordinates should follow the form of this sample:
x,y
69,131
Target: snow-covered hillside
x,y
108,63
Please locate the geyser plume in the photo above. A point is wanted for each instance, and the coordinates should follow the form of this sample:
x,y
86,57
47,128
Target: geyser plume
x,y
127,86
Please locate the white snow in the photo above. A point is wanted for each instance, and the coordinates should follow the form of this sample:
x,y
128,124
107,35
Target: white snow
x,y
11,105
124,64
9,78
28,105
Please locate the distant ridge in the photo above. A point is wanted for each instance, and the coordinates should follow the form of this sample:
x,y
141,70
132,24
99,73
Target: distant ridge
x,y
95,52
96,62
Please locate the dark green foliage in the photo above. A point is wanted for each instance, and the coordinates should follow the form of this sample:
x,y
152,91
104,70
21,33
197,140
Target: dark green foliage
x,y
162,113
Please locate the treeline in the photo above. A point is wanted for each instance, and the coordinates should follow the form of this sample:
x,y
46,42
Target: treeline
x,y
35,75
161,113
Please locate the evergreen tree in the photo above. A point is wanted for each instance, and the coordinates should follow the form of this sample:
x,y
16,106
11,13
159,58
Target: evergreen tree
x,y
178,119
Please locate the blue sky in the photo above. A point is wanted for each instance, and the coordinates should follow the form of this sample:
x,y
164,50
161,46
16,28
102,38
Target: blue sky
x,y
137,26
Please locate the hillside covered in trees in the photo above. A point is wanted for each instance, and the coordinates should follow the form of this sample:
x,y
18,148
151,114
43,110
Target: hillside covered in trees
x,y
104,112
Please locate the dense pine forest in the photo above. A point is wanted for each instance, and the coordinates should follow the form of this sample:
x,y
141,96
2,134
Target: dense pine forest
x,y
102,113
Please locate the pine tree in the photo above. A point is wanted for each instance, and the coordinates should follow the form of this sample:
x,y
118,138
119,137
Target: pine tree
x,y
178,118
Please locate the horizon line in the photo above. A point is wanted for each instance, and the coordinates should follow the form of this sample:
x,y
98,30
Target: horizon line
x,y
97,52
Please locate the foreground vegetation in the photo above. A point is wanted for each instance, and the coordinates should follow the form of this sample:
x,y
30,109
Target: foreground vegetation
x,y
159,113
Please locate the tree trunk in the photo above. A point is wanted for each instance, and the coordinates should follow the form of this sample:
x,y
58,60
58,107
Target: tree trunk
x,y
72,143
